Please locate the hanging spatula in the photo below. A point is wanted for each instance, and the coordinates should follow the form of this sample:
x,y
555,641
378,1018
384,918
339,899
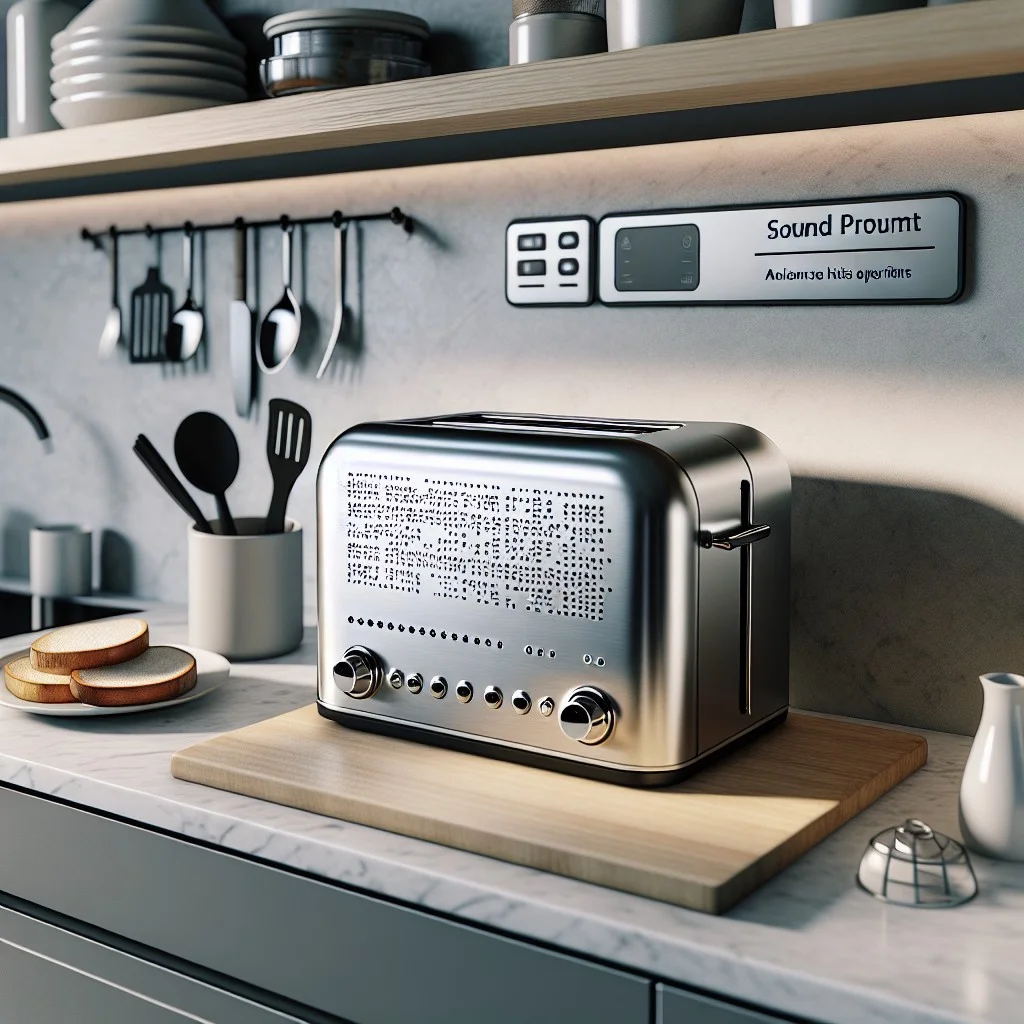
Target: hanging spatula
x,y
289,438
151,316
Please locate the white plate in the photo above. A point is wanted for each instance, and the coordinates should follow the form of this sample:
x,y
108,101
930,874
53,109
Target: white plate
x,y
147,48
193,15
145,66
152,33
162,85
103,107
212,671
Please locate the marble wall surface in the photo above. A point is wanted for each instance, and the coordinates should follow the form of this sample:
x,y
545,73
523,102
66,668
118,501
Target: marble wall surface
x,y
901,424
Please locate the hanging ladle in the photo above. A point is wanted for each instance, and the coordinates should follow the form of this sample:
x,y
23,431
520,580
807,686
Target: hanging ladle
x,y
279,332
186,331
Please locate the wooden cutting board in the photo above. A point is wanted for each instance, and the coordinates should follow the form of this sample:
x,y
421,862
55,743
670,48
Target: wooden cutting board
x,y
704,844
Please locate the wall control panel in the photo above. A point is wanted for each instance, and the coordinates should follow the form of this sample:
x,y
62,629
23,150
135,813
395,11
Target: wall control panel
x,y
909,249
550,262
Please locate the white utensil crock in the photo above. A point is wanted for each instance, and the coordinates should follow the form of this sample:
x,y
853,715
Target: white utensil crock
x,y
245,592
992,791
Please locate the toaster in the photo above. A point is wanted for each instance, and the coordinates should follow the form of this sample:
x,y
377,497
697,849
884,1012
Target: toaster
x,y
608,598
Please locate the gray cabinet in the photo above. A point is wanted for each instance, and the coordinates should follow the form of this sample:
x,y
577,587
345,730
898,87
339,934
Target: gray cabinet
x,y
336,951
677,1006
51,974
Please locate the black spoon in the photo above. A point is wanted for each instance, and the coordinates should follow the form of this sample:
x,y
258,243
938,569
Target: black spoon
x,y
207,455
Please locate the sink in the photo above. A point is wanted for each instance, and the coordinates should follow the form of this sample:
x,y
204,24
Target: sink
x,y
16,612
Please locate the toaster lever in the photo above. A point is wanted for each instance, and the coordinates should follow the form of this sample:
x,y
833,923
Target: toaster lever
x,y
736,538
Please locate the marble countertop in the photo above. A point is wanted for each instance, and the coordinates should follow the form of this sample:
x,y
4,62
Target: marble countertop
x,y
809,943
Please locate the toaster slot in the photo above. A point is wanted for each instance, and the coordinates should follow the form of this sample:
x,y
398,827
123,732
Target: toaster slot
x,y
554,425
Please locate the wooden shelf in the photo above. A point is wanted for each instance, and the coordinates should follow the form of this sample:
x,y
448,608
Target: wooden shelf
x,y
662,92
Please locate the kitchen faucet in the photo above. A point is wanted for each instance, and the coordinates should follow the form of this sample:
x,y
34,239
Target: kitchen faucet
x,y
27,410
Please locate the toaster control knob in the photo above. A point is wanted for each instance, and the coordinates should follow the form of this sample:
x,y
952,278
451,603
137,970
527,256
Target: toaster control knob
x,y
359,673
587,716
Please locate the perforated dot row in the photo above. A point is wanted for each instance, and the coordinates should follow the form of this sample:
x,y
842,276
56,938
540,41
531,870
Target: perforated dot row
x,y
443,634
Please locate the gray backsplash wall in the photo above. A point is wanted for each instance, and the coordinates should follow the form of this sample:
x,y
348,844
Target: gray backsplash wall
x,y
902,425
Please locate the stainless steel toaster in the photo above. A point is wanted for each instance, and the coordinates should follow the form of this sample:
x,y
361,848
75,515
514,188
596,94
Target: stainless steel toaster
x,y
603,597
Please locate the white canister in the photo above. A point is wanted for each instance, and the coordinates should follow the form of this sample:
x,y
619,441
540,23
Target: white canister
x,y
245,591
790,13
60,561
31,24
992,790
552,29
633,23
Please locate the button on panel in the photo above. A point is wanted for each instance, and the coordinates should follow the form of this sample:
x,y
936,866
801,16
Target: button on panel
x,y
533,268
568,281
521,702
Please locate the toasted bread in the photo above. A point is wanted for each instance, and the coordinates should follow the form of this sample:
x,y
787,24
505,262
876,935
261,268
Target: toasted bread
x,y
90,645
158,674
28,683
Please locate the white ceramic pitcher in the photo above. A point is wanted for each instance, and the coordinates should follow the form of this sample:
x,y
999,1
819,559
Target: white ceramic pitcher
x,y
992,791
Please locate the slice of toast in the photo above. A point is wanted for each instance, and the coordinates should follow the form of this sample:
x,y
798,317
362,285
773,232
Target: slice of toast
x,y
158,674
90,645
28,683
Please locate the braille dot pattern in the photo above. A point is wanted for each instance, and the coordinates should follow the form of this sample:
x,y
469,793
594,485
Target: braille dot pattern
x,y
522,549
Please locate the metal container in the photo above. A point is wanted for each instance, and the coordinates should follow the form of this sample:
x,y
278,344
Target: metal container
x,y
790,13
550,29
353,30
633,23
60,561
283,76
30,26
608,598
317,49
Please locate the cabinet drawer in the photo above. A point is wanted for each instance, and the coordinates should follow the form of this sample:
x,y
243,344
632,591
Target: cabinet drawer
x,y
338,951
50,974
676,1006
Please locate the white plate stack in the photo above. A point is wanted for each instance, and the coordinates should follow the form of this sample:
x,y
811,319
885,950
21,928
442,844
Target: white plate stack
x,y
122,59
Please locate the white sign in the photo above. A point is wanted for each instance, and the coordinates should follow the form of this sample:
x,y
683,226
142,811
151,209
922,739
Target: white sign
x,y
875,251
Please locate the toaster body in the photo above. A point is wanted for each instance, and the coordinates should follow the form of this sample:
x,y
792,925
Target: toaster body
x,y
607,598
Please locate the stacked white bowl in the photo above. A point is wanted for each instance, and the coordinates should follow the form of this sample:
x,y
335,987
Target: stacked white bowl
x,y
122,59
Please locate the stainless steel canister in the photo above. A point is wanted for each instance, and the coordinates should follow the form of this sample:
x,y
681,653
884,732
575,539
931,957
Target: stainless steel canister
x,y
633,23
548,29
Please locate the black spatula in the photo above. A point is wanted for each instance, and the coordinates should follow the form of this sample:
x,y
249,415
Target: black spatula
x,y
289,438
152,302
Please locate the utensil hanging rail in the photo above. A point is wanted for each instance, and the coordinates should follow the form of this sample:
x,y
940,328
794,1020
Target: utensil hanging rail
x,y
396,216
